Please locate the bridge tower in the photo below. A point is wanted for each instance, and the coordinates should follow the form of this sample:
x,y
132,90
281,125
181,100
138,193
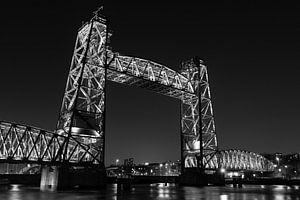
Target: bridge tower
x,y
198,132
82,111
82,115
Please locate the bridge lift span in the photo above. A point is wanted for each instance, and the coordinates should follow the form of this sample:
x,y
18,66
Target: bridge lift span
x,y
82,115
79,139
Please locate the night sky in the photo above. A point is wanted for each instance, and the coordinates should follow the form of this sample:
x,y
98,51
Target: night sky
x,y
252,51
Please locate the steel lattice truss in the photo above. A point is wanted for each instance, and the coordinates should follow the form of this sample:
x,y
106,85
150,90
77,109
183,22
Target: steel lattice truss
x,y
82,114
197,118
82,111
25,144
148,74
80,133
244,160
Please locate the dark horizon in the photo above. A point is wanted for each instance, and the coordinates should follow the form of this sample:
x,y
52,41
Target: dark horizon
x,y
251,50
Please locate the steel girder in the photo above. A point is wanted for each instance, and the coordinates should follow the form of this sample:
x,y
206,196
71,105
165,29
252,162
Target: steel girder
x,y
149,75
82,113
26,144
244,160
199,139
234,159
81,121
79,137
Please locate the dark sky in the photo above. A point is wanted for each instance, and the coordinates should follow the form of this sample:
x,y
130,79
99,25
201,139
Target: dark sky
x,y
252,51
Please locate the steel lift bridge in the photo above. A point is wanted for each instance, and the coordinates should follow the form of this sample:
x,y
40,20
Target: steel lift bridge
x,y
82,115
79,138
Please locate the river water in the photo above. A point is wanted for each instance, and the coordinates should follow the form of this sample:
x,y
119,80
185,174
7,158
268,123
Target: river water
x,y
159,192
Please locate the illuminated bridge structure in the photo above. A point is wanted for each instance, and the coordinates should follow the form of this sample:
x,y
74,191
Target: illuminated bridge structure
x,y
240,160
82,115
25,144
79,137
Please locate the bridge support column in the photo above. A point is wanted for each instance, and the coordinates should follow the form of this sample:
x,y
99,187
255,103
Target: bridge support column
x,y
192,177
60,177
49,178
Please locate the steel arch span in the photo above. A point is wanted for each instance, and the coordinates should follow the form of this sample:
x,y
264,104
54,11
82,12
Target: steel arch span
x,y
234,159
82,115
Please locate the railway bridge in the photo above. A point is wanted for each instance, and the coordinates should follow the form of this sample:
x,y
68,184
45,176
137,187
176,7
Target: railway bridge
x,y
79,137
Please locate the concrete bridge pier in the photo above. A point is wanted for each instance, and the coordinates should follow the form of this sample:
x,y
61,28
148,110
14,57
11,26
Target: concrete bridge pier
x,y
123,184
63,177
192,177
197,177
49,178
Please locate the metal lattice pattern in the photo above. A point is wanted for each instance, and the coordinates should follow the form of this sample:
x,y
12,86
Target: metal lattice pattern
x,y
244,160
196,115
148,74
79,137
240,160
80,128
25,144
82,111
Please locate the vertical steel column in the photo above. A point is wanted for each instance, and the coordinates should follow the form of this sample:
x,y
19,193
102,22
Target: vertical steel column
x,y
191,117
105,90
182,159
82,113
73,110
198,93
209,136
199,142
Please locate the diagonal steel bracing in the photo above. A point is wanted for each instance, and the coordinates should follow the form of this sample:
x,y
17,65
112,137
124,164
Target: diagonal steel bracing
x,y
199,140
80,133
83,109
24,144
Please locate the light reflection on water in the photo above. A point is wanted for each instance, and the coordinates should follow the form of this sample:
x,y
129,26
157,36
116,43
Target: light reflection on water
x,y
159,192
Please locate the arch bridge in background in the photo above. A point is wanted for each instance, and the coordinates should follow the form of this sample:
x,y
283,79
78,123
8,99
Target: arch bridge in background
x,y
79,138
25,144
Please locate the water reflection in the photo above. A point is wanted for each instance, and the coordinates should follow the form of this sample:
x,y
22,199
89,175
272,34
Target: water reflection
x,y
223,197
15,188
159,192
